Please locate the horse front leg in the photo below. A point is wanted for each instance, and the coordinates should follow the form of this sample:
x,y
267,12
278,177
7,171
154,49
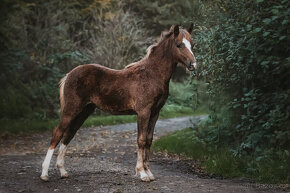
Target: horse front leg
x,y
149,139
143,121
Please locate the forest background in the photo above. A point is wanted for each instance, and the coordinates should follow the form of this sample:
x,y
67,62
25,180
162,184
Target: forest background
x,y
242,80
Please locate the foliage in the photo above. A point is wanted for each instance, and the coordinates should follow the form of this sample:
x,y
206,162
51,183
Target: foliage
x,y
245,59
113,37
247,65
43,40
160,15
220,160
26,124
241,49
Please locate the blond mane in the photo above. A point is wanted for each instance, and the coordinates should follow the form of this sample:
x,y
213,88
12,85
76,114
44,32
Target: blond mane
x,y
150,49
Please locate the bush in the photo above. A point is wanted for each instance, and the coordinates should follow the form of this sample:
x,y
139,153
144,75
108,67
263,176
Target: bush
x,y
220,160
245,59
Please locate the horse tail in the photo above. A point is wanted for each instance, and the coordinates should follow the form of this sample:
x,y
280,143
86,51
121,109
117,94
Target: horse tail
x,y
61,87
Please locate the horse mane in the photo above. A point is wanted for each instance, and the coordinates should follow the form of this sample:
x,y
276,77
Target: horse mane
x,y
164,35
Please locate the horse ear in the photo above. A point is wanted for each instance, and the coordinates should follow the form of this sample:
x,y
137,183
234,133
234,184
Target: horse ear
x,y
176,30
190,28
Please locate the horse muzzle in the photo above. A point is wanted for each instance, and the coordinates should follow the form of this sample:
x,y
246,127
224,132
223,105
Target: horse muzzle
x,y
191,66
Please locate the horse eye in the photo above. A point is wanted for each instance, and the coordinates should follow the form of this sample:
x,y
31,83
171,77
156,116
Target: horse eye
x,y
179,45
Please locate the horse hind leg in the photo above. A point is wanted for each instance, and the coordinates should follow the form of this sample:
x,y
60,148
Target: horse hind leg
x,y
56,137
75,124
60,161
67,116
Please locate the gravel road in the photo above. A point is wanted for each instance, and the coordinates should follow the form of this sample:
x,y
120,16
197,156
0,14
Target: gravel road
x,y
102,160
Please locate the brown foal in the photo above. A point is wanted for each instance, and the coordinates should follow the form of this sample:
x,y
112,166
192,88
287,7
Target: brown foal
x,y
141,88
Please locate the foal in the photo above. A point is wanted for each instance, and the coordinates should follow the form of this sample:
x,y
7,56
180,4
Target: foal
x,y
141,88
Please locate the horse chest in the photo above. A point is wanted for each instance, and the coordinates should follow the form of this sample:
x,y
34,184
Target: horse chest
x,y
161,98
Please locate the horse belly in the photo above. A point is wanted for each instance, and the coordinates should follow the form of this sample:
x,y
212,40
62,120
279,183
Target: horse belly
x,y
116,103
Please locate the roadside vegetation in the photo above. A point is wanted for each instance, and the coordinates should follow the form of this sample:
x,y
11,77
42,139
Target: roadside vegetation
x,y
242,77
43,40
179,92
221,160
244,59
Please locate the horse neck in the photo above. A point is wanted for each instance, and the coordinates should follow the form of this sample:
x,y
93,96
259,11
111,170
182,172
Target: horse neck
x,y
162,61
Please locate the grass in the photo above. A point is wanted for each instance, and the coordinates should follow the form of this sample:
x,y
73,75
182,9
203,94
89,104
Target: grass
x,y
16,126
177,105
221,162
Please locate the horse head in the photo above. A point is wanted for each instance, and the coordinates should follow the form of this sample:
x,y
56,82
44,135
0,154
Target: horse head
x,y
183,46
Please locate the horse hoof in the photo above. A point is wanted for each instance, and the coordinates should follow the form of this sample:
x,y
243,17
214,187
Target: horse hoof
x,y
145,179
64,176
152,178
150,175
44,178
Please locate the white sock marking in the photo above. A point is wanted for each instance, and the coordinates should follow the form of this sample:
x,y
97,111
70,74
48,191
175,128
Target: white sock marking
x,y
139,165
150,175
60,159
46,162
144,176
140,168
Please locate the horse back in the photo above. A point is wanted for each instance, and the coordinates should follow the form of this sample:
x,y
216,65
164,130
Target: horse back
x,y
114,91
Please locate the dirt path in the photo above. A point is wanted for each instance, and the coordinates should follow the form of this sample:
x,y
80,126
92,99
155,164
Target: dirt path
x,y
102,159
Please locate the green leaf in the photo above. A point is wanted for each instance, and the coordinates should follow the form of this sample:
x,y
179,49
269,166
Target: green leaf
x,y
275,11
266,33
258,29
267,21
260,1
274,18
285,21
264,63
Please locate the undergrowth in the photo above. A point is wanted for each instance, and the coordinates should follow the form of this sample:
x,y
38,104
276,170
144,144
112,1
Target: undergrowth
x,y
177,105
221,161
10,126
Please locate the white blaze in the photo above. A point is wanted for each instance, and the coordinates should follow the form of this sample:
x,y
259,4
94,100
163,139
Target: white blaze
x,y
187,44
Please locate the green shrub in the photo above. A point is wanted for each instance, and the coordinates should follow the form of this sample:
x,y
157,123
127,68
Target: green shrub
x,y
245,59
221,161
